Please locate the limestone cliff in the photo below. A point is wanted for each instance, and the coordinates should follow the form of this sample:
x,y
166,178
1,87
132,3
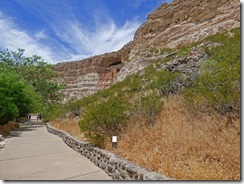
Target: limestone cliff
x,y
170,26
89,75
185,21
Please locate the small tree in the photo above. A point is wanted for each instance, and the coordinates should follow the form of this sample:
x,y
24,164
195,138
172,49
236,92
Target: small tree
x,y
16,97
34,71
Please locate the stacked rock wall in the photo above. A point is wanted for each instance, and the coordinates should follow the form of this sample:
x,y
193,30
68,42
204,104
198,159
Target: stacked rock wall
x,y
116,167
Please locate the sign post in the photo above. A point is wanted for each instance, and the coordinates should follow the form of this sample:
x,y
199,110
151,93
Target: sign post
x,y
114,141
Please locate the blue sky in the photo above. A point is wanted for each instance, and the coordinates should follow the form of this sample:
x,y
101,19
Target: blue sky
x,y
65,30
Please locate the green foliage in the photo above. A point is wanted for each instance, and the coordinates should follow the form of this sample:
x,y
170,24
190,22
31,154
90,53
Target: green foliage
x,y
161,50
184,51
27,84
103,119
16,97
218,85
208,66
149,105
132,83
75,107
103,113
160,80
53,111
154,50
35,72
166,50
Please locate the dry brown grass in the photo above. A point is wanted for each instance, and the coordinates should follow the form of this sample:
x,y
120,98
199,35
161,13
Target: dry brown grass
x,y
69,125
7,128
183,147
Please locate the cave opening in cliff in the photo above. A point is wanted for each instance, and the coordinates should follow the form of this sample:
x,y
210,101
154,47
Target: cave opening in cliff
x,y
115,63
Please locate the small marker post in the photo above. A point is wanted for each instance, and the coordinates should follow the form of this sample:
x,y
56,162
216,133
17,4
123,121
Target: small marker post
x,y
114,141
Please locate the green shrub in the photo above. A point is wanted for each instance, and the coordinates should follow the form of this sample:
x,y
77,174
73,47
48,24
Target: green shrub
x,y
160,80
166,50
124,89
52,112
218,86
148,106
131,84
103,119
16,97
208,65
184,50
76,106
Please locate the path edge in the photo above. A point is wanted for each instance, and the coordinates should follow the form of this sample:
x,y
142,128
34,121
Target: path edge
x,y
116,167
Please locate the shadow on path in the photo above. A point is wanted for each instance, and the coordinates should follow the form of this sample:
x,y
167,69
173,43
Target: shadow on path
x,y
26,127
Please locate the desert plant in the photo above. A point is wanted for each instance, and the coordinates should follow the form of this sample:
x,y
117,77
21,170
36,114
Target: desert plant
x,y
149,106
218,85
103,119
160,80
166,50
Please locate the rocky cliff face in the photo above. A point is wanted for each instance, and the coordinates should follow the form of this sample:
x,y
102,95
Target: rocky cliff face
x,y
170,26
89,75
185,21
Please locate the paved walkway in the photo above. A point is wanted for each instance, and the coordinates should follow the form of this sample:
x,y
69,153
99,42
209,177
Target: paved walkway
x,y
31,153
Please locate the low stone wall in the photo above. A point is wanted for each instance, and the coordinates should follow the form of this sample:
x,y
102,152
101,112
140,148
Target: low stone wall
x,y
116,167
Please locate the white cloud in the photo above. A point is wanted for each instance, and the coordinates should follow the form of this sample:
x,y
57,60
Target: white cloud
x,y
41,35
13,38
105,38
137,3
73,40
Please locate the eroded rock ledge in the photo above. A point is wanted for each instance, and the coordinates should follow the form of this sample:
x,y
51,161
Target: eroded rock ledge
x,y
117,168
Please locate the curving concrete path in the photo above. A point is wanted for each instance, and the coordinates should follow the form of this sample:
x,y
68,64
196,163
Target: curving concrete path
x,y
31,153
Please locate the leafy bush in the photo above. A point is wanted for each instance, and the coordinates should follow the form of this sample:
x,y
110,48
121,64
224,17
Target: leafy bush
x,y
103,119
16,97
131,84
35,72
208,65
148,106
53,111
218,86
160,80
75,106
166,50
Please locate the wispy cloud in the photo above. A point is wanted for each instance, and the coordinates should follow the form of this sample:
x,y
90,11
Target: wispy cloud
x,y
105,38
13,38
137,3
41,35
67,37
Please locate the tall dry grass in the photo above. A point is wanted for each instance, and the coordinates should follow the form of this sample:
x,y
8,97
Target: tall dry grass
x,y
69,125
183,147
7,128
